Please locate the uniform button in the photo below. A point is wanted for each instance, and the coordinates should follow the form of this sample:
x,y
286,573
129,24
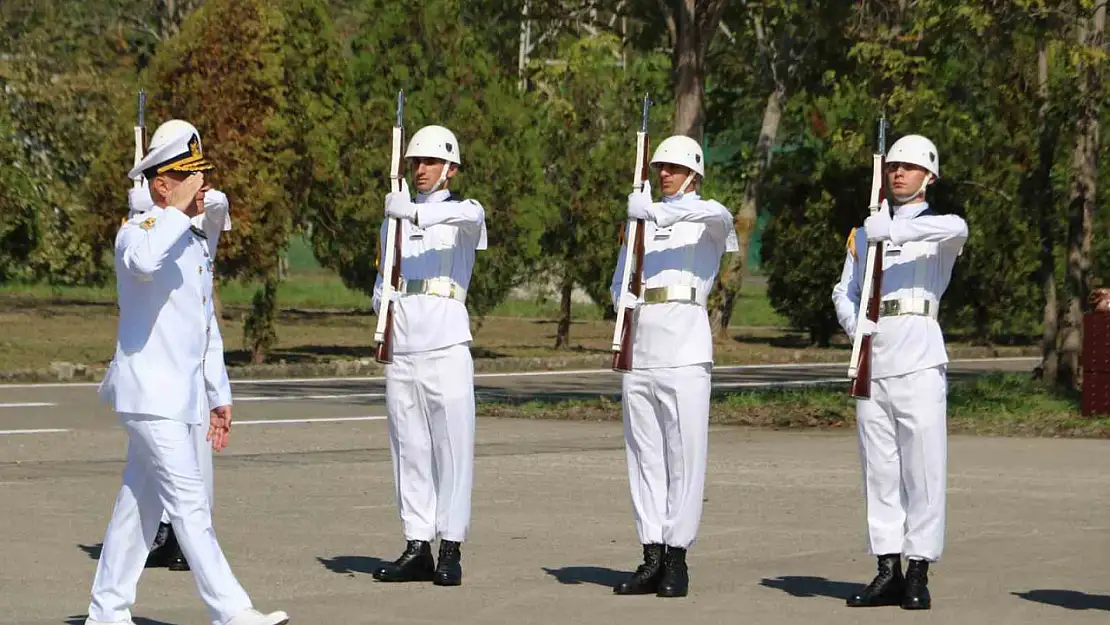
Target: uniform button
x,y
200,269
204,300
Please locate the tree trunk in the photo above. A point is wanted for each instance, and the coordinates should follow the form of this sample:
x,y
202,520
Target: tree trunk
x,y
1081,206
728,287
689,86
691,24
1044,206
562,334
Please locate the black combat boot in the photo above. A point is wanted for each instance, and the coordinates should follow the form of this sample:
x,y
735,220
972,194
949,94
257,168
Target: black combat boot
x,y
645,580
159,556
449,568
415,565
676,579
916,596
886,588
176,561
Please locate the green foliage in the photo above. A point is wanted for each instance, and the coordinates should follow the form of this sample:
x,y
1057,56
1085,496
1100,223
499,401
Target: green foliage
x,y
591,112
817,201
449,79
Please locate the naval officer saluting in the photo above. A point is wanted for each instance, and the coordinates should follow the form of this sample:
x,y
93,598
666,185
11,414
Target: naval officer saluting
x,y
160,384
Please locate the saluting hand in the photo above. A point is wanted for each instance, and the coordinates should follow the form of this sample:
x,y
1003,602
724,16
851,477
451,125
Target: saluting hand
x,y
183,197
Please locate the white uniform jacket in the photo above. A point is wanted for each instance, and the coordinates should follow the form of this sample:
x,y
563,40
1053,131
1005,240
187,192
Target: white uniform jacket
x,y
917,266
682,254
169,352
437,260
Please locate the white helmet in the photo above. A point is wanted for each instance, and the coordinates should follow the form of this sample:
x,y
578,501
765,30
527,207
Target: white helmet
x,y
916,150
434,142
680,150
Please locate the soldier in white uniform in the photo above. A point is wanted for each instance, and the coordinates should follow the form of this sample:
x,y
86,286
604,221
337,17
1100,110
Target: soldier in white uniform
x,y
216,218
167,370
430,384
665,398
902,427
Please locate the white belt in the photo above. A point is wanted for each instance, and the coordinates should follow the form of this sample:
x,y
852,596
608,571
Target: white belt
x,y
908,306
440,287
675,293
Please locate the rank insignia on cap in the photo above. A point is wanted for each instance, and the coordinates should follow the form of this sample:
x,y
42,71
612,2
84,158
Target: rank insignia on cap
x,y
147,224
190,161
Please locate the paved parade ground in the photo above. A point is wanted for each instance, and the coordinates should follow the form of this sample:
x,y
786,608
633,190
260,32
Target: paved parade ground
x,y
305,511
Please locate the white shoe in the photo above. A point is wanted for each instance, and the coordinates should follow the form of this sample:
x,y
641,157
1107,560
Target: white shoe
x,y
90,621
254,617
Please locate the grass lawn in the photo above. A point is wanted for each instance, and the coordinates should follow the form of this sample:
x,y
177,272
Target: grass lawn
x,y
999,404
321,320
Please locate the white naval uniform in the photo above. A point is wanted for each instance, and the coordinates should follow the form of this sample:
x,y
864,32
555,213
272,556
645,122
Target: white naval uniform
x,y
665,398
215,219
430,385
161,384
903,427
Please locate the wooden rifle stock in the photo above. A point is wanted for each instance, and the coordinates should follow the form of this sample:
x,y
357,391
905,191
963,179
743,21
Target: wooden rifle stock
x,y
859,370
622,358
632,279
391,269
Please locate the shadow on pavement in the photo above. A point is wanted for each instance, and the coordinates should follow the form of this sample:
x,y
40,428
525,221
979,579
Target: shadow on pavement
x,y
588,575
805,586
93,551
352,564
137,620
1070,599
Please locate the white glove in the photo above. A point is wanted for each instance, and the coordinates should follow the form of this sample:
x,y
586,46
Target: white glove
x,y
628,300
640,204
138,199
399,204
877,226
218,208
866,328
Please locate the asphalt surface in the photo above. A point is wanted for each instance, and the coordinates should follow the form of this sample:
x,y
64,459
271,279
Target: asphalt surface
x,y
305,511
75,406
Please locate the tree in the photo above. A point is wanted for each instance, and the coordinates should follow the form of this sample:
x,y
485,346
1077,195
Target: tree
x,y
691,25
787,36
1083,183
265,97
591,114
449,79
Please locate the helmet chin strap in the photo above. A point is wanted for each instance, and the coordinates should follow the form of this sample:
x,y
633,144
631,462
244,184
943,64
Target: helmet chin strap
x,y
902,199
685,185
442,179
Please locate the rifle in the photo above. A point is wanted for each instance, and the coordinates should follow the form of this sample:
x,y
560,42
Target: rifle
x,y
391,263
859,369
140,135
632,279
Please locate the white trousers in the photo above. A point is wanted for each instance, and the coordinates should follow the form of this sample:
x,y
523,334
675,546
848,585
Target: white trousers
x,y
162,472
204,457
430,406
903,442
666,434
